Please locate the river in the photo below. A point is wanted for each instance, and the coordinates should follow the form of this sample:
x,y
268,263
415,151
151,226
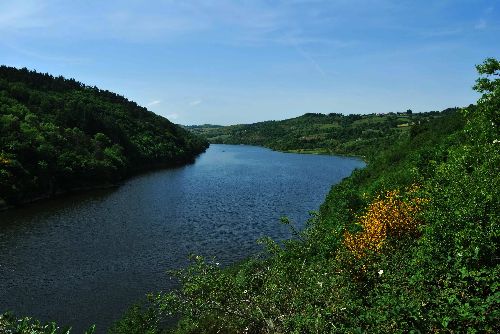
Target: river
x,y
85,258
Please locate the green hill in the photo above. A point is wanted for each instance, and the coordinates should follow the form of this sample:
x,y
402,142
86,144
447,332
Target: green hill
x,y
409,244
58,134
320,133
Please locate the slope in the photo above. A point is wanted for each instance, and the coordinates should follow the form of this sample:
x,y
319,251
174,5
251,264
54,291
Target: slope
x,y
58,134
320,133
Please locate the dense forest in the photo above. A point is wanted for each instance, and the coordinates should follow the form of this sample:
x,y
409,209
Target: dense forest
x,y
319,133
408,244
58,134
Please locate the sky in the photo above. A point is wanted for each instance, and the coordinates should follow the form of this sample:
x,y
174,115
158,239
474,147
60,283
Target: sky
x,y
230,62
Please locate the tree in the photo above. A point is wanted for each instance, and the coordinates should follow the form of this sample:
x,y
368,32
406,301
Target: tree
x,y
485,119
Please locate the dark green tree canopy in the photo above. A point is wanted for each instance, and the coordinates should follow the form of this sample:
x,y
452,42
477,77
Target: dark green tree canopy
x,y
58,134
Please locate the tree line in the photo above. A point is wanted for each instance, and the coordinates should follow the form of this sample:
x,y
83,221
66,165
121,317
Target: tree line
x,y
58,134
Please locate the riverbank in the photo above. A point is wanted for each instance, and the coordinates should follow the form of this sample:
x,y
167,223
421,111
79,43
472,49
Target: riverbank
x,y
60,135
4,206
57,194
107,249
362,135
373,258
320,151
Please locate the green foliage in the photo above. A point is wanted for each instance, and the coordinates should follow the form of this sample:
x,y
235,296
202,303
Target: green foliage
x,y
442,279
58,134
11,325
321,134
141,318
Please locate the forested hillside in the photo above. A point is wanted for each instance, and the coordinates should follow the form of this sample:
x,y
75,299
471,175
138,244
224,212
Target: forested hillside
x,y
320,133
407,245
58,134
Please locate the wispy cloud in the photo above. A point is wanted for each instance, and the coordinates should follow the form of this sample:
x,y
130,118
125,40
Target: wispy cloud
x,y
195,103
215,55
139,22
308,57
144,25
48,56
228,22
173,116
153,103
18,15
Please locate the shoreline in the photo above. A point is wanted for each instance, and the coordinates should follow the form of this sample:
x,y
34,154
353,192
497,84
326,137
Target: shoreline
x,y
323,152
316,151
4,205
46,197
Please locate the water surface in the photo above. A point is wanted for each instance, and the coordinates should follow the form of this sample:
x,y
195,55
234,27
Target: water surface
x,y
86,258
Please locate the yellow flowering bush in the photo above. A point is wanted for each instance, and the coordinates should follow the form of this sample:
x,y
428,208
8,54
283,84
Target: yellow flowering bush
x,y
4,161
393,214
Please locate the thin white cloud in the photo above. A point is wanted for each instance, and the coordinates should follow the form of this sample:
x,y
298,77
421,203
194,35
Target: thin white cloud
x,y
172,116
153,103
139,22
18,15
241,23
195,103
293,39
328,42
308,57
47,56
143,25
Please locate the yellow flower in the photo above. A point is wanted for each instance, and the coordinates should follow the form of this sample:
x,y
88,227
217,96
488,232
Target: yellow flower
x,y
390,215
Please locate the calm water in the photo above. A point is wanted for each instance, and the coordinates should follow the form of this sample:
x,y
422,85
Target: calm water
x,y
85,258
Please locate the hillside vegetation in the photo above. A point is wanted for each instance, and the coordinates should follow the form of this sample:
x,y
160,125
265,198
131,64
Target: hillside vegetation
x,y
58,134
407,245
320,133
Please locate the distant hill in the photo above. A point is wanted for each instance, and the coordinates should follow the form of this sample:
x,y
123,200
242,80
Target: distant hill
x,y
408,244
58,134
320,133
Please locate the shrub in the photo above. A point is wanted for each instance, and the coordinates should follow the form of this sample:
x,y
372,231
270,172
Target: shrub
x,y
391,215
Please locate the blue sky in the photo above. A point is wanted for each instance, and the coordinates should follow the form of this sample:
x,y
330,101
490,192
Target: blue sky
x,y
227,62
